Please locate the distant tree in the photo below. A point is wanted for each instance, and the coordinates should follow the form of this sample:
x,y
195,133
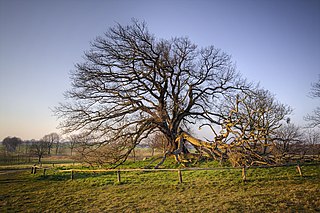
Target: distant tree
x,y
28,148
94,153
58,144
158,142
73,141
312,138
51,140
132,84
11,143
314,119
40,149
288,135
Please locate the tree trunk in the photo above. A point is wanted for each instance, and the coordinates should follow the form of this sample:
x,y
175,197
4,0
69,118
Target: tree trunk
x,y
172,146
57,147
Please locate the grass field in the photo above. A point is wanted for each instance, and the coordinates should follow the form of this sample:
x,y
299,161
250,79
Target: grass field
x,y
279,189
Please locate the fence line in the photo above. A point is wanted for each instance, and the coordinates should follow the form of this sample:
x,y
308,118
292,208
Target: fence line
x,y
179,171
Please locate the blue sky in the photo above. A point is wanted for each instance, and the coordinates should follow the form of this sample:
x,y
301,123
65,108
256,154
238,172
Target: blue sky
x,y
274,42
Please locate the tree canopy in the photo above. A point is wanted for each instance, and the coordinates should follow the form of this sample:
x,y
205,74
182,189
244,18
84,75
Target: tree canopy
x,y
132,84
11,143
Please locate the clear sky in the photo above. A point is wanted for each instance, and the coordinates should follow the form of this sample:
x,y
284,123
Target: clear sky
x,y
274,42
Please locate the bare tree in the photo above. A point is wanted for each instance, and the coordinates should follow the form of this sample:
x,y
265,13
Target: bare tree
x,y
27,145
314,119
248,124
51,140
312,139
40,149
158,142
93,152
73,140
248,128
288,137
132,84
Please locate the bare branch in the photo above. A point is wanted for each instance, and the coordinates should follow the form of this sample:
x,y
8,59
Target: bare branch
x,y
132,83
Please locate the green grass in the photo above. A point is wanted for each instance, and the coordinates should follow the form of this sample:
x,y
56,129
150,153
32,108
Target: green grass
x,y
279,189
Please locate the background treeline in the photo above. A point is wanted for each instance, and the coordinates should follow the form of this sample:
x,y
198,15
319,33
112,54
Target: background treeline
x,y
295,143
16,150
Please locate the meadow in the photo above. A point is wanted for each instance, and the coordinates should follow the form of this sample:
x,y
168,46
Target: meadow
x,y
279,189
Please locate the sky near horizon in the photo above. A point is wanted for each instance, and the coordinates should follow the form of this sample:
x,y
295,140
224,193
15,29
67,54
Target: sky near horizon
x,y
274,42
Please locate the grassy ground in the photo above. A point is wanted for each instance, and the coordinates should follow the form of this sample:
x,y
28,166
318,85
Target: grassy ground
x,y
266,190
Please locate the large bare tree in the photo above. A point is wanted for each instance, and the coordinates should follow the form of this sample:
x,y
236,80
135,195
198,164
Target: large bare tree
x,y
132,84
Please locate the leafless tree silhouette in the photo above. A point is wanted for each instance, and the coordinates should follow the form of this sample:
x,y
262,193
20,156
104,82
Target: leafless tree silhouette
x,y
288,136
250,121
157,142
52,139
40,149
133,84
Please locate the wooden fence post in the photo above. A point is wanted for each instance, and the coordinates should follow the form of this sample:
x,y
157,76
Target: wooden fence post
x,y
299,170
118,176
244,173
72,175
180,176
44,172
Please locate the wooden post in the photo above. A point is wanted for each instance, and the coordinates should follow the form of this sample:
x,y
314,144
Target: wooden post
x,y
118,176
244,173
180,176
299,170
44,172
72,175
